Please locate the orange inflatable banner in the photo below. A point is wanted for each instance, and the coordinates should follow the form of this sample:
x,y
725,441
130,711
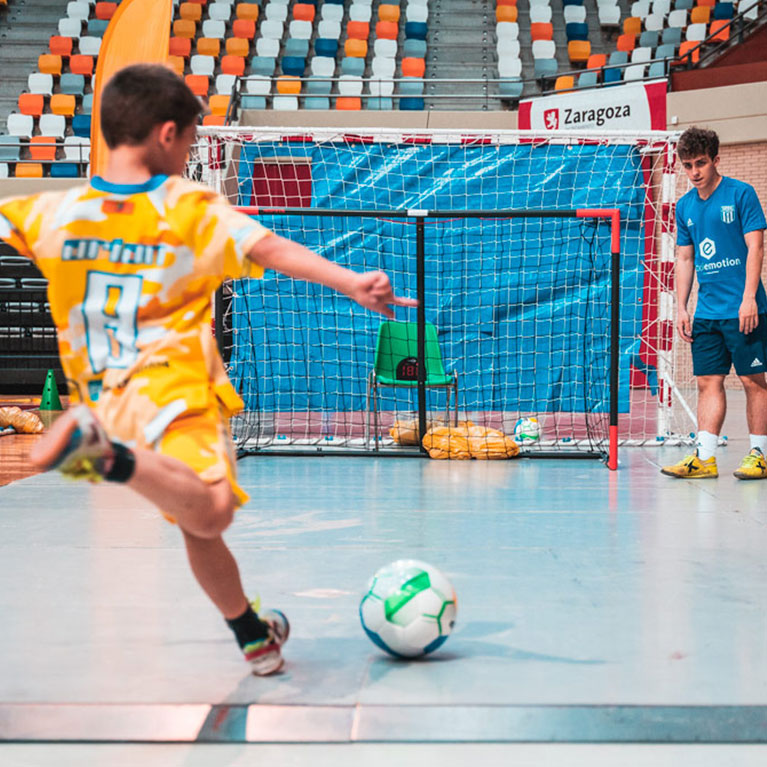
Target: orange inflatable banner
x,y
139,32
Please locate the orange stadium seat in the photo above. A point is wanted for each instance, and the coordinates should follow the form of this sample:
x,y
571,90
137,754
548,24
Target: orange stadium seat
x,y
49,64
632,26
579,51
29,170
244,28
719,30
190,11
184,28
42,153
213,119
626,42
233,65
596,61
176,63
359,30
219,104
388,12
237,46
304,12
412,67
542,31
198,84
60,46
506,2
349,103
199,2
356,49
208,46
564,82
247,11
81,65
180,46
288,86
700,15
31,104
105,11
386,30
506,13
685,55
706,3
63,104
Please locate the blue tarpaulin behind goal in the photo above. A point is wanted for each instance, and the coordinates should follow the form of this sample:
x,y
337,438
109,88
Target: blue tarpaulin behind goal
x,y
521,306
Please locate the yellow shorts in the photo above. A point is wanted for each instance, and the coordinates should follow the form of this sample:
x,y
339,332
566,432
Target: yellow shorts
x,y
193,428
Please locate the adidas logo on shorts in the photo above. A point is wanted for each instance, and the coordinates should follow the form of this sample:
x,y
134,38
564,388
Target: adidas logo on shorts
x,y
756,363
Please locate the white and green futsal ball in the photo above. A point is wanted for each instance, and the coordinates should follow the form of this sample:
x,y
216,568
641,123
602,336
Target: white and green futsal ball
x,y
409,608
526,430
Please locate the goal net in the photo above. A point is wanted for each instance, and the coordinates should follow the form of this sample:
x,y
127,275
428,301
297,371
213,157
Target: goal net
x,y
488,231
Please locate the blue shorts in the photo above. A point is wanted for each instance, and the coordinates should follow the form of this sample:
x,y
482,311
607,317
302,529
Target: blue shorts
x,y
717,345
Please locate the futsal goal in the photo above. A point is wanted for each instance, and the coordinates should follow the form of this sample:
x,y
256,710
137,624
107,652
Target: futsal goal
x,y
543,267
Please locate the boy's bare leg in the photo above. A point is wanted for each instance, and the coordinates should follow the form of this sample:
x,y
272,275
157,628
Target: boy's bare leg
x,y
756,403
712,403
216,571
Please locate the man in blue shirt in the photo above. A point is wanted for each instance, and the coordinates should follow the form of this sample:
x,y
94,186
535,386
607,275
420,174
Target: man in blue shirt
x,y
720,226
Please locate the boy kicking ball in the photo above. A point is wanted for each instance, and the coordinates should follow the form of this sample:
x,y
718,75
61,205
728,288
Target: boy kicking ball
x,y
720,229
132,259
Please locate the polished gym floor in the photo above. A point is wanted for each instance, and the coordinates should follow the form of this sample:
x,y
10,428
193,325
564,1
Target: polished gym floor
x,y
604,618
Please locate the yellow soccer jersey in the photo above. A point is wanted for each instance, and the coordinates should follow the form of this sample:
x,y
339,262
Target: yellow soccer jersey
x,y
131,271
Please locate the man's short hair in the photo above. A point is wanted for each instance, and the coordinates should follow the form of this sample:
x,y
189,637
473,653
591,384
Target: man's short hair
x,y
141,96
697,141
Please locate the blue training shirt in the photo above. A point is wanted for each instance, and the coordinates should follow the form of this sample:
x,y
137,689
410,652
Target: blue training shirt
x,y
716,228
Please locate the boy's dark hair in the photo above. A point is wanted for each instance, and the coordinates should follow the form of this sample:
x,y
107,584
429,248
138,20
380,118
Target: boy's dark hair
x,y
697,141
141,96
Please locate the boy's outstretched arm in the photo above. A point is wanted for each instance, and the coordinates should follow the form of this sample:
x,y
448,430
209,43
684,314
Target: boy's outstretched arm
x,y
369,289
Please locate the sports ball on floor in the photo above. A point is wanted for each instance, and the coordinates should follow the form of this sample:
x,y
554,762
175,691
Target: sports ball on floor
x,y
526,430
409,608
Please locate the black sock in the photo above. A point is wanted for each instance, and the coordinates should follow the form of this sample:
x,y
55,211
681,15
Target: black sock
x,y
124,464
248,628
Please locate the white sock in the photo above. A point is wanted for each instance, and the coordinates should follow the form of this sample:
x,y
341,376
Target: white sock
x,y
760,441
707,443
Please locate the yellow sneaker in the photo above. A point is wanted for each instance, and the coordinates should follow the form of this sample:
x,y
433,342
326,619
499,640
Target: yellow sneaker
x,y
753,466
692,467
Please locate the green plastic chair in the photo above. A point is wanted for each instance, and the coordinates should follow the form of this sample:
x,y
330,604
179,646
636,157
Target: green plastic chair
x,y
396,364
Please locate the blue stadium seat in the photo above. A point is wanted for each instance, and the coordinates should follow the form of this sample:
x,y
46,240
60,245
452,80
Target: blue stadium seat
x,y
545,68
97,27
415,49
249,101
416,30
724,11
87,106
410,104
316,86
667,50
684,5
317,102
353,65
73,85
511,88
81,125
64,170
324,46
587,79
649,38
577,31
296,47
572,2
335,2
10,148
657,70
262,65
293,65
671,35
619,57
612,75
411,86
379,103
